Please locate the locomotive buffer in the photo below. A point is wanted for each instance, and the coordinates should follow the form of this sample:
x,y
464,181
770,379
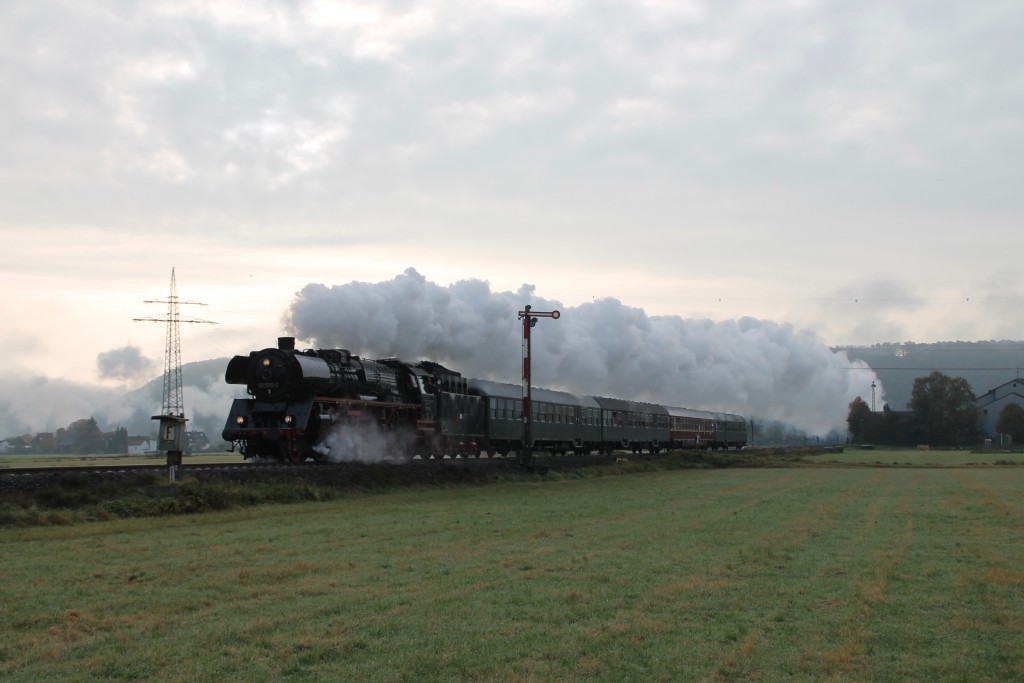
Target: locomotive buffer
x,y
529,319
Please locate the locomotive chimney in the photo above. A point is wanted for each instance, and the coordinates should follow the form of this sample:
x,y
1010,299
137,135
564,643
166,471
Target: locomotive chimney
x,y
286,343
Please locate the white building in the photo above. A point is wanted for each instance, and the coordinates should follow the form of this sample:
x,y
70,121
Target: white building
x,y
140,445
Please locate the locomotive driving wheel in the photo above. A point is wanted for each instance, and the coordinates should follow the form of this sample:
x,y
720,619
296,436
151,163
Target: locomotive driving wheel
x,y
292,451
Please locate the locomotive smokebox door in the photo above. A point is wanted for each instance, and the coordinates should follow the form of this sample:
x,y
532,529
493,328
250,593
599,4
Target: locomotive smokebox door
x,y
172,433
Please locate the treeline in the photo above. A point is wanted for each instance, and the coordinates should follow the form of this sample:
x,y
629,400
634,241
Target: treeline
x,y
942,412
81,437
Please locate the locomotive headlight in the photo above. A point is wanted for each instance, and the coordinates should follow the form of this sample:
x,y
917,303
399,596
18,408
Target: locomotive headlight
x,y
240,420
288,419
266,362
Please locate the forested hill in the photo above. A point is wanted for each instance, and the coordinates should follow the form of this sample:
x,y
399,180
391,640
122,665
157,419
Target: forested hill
x,y
984,364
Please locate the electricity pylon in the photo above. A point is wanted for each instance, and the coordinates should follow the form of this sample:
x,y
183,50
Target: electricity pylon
x,y
173,404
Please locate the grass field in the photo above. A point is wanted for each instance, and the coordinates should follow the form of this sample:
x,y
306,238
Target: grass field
x,y
808,574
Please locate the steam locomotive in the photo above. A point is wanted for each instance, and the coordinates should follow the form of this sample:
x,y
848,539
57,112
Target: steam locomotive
x,y
299,399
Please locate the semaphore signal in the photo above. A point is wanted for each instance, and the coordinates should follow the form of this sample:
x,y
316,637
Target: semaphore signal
x,y
529,319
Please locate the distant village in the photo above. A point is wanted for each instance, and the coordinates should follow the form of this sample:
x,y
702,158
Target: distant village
x,y
84,437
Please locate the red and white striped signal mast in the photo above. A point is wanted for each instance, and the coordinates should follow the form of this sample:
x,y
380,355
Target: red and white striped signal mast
x,y
529,319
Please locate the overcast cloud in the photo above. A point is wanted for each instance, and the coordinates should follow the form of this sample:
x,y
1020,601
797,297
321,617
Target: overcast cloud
x,y
850,169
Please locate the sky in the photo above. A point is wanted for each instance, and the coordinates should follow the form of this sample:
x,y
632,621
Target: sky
x,y
844,171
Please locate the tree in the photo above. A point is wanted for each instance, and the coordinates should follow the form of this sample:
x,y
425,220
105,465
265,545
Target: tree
x,y
44,442
857,418
1011,421
82,437
944,410
894,429
118,441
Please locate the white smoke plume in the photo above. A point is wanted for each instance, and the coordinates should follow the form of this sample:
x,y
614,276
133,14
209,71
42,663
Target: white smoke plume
x,y
757,368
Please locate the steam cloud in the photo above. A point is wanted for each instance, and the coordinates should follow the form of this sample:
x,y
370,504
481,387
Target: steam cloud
x,y
362,440
29,404
124,363
758,368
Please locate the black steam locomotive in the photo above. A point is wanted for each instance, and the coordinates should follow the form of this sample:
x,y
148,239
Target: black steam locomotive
x,y
300,398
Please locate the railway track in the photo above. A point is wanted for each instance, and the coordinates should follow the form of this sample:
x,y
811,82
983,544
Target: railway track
x,y
371,475
129,469
354,475
28,479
